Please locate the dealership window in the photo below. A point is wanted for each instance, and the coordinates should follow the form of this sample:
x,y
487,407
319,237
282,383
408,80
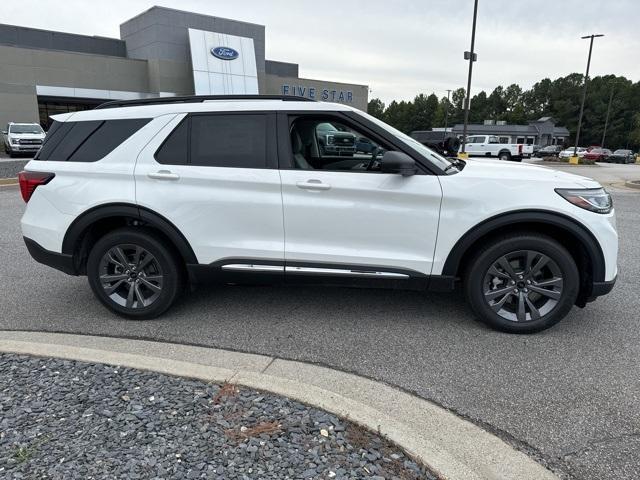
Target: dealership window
x,y
48,106
520,140
229,140
325,143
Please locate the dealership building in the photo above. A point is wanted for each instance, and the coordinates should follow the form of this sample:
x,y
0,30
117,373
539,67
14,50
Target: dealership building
x,y
161,52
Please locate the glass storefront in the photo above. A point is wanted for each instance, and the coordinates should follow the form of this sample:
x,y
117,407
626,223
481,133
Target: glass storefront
x,y
48,106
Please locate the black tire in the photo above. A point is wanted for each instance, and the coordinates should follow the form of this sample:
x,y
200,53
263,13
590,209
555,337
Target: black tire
x,y
476,285
164,264
504,156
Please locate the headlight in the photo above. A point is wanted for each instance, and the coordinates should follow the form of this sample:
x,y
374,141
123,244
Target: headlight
x,y
15,141
593,199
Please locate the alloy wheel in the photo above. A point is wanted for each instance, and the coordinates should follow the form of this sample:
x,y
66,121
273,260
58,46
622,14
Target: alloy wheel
x,y
523,286
131,276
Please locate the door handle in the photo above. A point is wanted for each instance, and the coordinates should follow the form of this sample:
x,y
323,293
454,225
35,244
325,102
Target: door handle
x,y
313,185
163,175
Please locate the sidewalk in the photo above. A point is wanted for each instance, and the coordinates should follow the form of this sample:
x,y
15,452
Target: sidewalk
x,y
448,445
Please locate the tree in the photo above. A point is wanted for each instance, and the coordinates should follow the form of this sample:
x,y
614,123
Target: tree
x,y
376,108
424,111
559,98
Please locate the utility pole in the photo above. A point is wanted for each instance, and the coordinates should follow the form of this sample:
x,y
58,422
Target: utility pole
x,y
472,58
606,120
584,90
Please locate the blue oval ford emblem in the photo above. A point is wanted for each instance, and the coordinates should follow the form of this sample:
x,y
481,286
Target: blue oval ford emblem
x,y
224,53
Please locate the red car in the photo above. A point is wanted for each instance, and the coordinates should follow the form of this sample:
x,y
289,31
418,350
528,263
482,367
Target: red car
x,y
598,154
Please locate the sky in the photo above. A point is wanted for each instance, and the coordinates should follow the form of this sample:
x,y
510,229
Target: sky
x,y
399,48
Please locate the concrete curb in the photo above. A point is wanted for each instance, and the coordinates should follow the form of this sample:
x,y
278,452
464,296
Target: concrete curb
x,y
4,182
632,183
452,447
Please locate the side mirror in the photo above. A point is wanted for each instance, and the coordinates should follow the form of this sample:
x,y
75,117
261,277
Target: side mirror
x,y
398,162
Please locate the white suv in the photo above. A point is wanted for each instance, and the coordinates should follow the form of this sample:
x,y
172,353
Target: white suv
x,y
22,138
147,196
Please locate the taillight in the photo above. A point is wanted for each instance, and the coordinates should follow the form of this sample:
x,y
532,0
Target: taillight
x,y
30,180
520,149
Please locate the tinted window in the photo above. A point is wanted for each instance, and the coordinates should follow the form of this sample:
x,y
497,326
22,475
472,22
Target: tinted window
x,y
106,138
174,150
87,141
229,140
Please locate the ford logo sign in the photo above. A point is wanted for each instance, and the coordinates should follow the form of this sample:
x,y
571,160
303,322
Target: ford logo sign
x,y
224,53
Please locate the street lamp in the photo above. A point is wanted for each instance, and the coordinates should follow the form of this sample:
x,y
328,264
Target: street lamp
x,y
584,93
472,57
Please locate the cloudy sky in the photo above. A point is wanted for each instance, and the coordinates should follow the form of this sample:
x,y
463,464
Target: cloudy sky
x,y
401,47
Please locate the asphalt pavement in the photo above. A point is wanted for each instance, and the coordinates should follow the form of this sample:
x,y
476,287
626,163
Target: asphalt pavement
x,y
570,396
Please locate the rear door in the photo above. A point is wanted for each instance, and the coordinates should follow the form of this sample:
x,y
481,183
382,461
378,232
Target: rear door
x,y
215,177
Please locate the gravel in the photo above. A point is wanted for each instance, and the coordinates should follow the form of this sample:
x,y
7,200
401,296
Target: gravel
x,y
63,419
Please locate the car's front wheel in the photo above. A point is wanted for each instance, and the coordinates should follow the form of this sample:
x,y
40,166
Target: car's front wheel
x,y
134,273
522,283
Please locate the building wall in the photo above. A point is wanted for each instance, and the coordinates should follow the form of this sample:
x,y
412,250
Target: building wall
x,y
21,69
162,34
13,35
318,90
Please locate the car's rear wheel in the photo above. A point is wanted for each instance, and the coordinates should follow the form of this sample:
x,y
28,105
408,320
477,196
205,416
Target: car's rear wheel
x,y
504,156
134,273
522,283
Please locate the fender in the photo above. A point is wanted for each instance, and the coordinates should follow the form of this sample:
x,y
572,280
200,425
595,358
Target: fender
x,y
557,220
114,210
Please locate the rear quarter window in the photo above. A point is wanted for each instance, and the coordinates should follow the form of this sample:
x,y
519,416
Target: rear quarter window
x,y
87,141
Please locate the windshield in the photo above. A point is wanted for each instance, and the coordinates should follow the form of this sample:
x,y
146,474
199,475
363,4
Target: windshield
x,y
31,128
429,154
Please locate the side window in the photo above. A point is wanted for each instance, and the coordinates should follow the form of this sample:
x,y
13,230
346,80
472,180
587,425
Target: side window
x,y
473,140
321,143
238,140
493,140
87,141
174,150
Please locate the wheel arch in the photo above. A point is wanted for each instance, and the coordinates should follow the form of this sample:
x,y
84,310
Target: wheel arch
x,y
581,243
99,220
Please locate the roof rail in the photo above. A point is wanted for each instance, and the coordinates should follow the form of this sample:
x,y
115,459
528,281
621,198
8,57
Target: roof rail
x,y
198,98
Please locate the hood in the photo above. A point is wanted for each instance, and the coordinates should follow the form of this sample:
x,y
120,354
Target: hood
x,y
26,135
502,170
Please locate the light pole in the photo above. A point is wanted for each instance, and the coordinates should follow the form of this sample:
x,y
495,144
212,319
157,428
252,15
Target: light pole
x,y
472,58
606,119
584,91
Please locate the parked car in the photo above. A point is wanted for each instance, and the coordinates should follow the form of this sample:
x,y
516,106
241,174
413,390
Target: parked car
x,y
490,146
622,156
549,151
145,196
568,152
333,141
22,138
364,145
598,154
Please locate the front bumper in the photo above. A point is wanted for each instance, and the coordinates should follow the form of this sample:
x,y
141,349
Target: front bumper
x,y
601,288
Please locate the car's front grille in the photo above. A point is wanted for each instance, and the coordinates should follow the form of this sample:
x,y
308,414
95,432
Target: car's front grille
x,y
30,141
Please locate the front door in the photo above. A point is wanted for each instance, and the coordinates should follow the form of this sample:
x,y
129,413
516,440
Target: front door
x,y
342,215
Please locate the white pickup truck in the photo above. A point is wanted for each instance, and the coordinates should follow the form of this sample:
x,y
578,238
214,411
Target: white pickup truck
x,y
490,146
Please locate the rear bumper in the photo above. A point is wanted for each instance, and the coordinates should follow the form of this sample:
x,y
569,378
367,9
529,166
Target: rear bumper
x,y
59,261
